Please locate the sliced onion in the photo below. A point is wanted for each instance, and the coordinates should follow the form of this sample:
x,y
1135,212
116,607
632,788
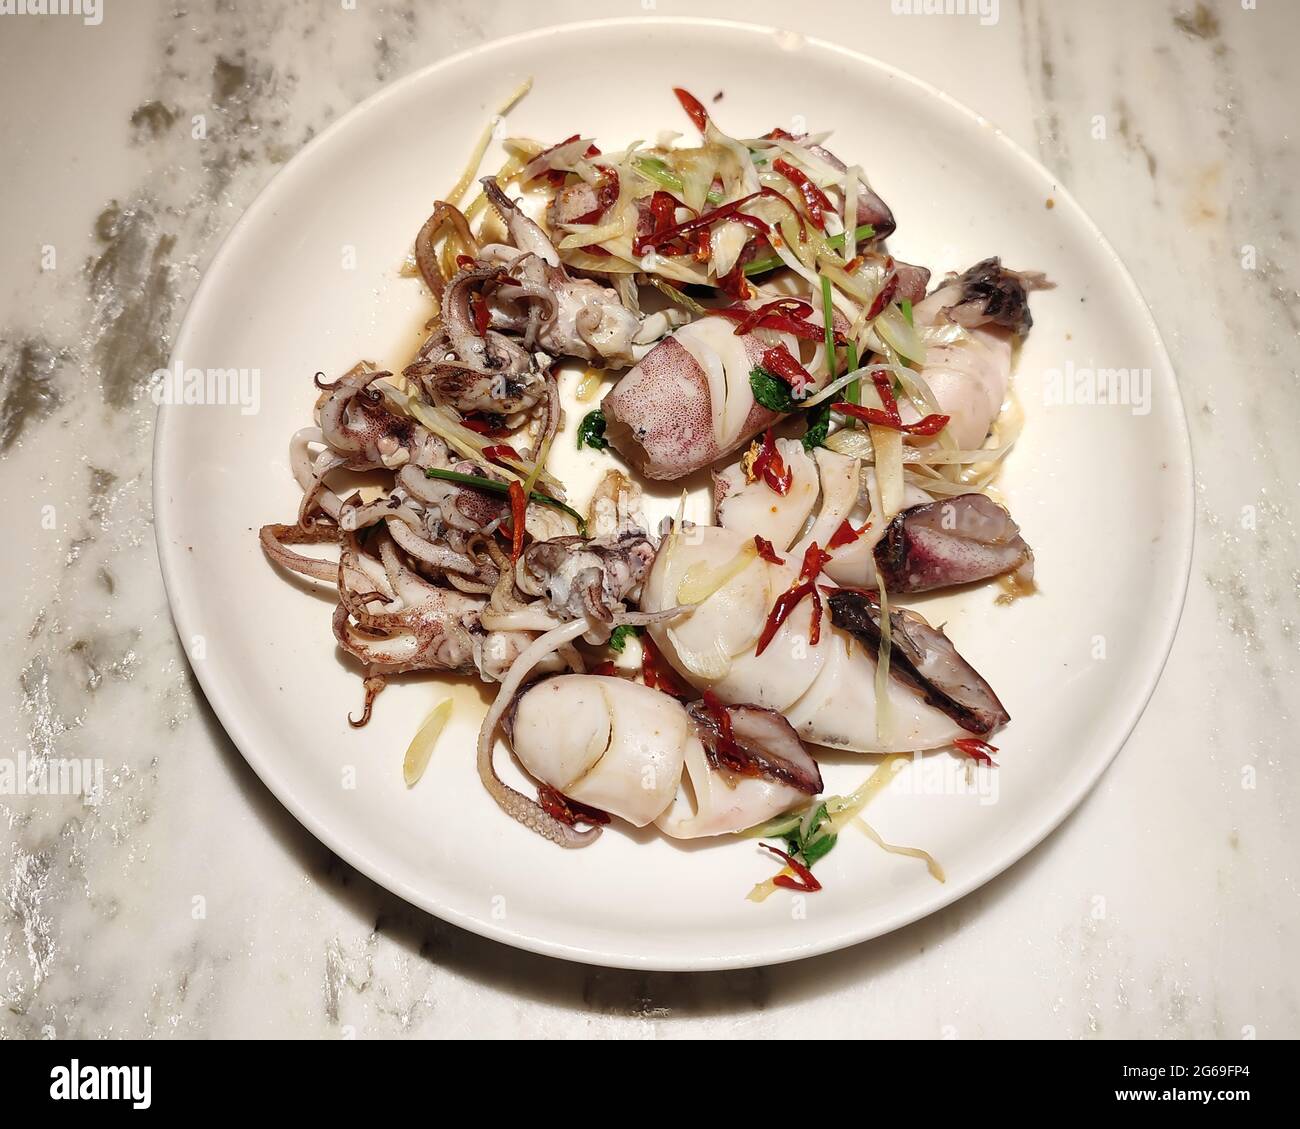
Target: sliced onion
x,y
900,335
852,442
420,749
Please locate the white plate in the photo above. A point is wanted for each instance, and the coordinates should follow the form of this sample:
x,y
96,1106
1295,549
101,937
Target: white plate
x,y
1103,494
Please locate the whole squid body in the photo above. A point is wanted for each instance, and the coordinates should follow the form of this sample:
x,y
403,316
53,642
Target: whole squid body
x,y
628,750
825,686
689,401
929,544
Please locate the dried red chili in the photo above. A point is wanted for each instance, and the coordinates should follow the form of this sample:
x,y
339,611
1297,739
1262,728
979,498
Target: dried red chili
x,y
784,315
567,811
734,284
500,451
781,362
766,550
887,415
815,200
605,669
771,468
694,108
518,519
977,750
464,261
884,297
814,560
490,427
660,235
846,535
807,882
656,675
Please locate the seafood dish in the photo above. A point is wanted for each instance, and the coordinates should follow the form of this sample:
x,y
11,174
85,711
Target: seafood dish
x,y
734,303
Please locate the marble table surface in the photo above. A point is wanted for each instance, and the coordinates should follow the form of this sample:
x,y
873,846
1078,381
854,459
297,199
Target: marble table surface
x,y
186,902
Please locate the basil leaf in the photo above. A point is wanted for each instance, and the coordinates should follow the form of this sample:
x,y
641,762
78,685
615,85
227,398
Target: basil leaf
x,y
591,431
819,425
770,391
818,848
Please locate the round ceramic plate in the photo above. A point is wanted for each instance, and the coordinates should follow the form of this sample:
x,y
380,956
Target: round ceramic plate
x,y
310,279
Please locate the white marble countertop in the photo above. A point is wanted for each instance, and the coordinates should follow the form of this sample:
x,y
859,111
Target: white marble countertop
x,y
1167,905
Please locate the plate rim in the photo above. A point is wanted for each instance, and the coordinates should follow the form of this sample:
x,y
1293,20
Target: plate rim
x,y
1182,529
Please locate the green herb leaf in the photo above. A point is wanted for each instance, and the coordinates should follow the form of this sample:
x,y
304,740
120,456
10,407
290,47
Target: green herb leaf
x,y
818,844
591,431
818,848
770,391
819,425
618,637
906,306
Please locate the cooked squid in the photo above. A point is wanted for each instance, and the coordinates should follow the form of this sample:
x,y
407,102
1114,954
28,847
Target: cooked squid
x,y
620,748
764,331
823,688
988,308
689,401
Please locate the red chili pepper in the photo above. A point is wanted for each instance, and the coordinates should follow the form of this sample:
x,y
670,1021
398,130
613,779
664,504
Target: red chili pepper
x,y
814,560
501,451
607,669
703,245
816,201
779,307
779,134
977,750
807,882
885,296
778,315
464,261
518,519
567,811
781,362
657,675
766,550
846,535
771,468
694,109
734,283
484,427
653,239
887,415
